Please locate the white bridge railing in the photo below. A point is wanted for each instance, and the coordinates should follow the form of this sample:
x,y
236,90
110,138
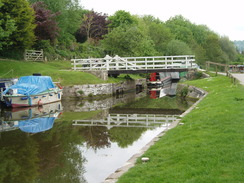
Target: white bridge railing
x,y
130,120
134,63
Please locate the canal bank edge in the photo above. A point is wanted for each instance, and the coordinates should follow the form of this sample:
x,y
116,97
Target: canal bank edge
x,y
192,91
87,90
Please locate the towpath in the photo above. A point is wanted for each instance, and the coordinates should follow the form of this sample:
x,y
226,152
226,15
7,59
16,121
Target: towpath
x,y
239,77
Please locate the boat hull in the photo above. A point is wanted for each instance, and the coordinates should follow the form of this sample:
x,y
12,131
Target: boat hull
x,y
32,100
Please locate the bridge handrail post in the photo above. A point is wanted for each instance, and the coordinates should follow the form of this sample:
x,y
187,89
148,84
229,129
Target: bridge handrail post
x,y
188,63
107,58
116,58
74,64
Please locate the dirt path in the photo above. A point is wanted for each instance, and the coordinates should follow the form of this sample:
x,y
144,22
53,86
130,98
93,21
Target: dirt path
x,y
240,77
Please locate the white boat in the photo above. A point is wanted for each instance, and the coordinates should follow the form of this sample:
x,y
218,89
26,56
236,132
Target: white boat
x,y
5,83
32,91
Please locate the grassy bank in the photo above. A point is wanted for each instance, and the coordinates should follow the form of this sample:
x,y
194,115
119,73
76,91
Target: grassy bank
x,y
59,71
209,147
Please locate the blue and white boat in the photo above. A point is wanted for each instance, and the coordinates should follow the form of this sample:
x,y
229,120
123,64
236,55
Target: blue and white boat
x,y
32,91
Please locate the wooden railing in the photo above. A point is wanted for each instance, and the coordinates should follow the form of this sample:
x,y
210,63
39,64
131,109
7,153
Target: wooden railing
x,y
134,63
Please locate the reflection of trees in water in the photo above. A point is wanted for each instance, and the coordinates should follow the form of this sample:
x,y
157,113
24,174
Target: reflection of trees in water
x,y
61,160
19,157
159,103
51,156
125,136
96,137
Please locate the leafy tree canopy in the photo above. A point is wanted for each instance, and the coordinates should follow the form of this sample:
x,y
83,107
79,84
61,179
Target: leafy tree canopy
x,y
47,27
18,16
121,17
128,41
177,47
7,27
94,26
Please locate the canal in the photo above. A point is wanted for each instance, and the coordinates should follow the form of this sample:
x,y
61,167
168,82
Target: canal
x,y
81,141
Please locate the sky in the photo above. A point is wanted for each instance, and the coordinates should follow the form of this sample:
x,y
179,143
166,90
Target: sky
x,y
224,17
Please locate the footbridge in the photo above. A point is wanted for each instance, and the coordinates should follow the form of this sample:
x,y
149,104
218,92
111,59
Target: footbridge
x,y
119,65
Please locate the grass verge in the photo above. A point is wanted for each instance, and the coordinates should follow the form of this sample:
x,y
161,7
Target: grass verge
x,y
209,147
60,71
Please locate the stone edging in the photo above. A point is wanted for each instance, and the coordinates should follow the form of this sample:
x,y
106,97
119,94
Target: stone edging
x,y
131,162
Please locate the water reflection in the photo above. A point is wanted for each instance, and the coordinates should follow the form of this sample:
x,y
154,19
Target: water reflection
x,y
30,119
88,142
130,120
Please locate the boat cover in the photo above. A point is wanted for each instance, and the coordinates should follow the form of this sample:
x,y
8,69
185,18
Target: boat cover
x,y
32,85
36,125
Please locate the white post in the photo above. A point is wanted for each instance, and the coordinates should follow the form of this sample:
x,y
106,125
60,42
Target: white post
x,y
187,62
74,64
108,59
116,58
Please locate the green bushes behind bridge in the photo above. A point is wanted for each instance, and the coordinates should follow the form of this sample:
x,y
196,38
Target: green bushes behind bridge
x,y
65,30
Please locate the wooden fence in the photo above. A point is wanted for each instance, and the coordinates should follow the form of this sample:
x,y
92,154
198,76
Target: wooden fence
x,y
134,63
34,55
208,63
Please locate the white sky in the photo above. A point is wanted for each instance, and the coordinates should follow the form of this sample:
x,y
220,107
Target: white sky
x,y
224,17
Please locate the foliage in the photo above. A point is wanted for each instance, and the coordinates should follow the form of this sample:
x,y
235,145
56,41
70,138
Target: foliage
x,y
240,59
18,16
228,48
159,34
181,28
7,27
213,49
47,28
94,26
86,33
177,47
128,41
122,18
69,19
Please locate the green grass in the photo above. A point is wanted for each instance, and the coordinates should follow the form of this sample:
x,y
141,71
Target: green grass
x,y
209,147
60,71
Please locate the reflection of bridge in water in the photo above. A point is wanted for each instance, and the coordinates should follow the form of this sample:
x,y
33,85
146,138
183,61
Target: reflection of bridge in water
x,y
130,120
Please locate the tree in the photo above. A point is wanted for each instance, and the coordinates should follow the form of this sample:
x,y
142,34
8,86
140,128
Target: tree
x,y
128,41
228,48
69,19
7,27
94,26
47,27
19,17
159,33
213,49
177,47
121,17
181,28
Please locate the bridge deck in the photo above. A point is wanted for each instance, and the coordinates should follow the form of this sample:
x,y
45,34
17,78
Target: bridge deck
x,y
147,71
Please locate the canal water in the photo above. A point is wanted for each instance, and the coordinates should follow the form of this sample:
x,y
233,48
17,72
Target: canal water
x,y
81,141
